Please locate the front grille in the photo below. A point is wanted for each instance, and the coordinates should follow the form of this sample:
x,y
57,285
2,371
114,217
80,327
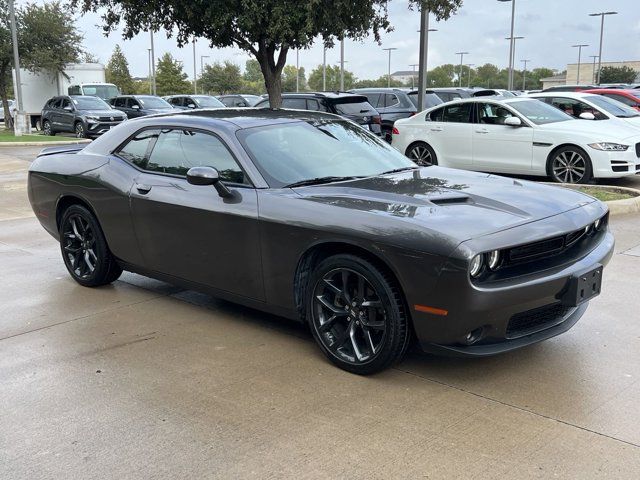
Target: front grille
x,y
109,119
535,320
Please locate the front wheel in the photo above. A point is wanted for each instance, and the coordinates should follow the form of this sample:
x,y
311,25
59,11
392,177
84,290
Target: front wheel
x,y
422,154
84,249
46,128
570,165
356,314
80,131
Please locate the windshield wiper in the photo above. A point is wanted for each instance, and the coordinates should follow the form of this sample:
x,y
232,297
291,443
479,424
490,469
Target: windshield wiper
x,y
318,181
397,170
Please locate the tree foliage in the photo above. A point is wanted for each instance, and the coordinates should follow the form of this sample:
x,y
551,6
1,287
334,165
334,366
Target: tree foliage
x,y
382,81
333,78
47,39
117,71
267,29
252,72
289,79
221,78
170,78
622,74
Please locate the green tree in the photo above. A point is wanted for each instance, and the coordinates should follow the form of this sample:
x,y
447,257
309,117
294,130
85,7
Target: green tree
x,y
535,76
88,57
170,79
47,39
333,78
141,87
289,79
382,81
267,29
622,74
117,71
221,78
442,76
252,72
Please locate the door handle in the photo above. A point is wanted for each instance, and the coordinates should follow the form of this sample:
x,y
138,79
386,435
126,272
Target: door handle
x,y
436,129
483,130
142,188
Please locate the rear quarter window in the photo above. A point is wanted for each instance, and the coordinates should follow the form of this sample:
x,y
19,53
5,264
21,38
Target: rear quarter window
x,y
353,108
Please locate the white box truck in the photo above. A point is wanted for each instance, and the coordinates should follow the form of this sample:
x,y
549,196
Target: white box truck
x,y
76,79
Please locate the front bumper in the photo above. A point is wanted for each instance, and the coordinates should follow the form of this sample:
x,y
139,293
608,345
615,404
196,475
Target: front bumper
x,y
615,164
96,128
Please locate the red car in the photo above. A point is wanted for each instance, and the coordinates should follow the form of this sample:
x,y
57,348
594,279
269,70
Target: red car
x,y
628,97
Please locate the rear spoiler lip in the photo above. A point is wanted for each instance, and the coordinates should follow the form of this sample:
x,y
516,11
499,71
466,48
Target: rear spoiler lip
x,y
74,148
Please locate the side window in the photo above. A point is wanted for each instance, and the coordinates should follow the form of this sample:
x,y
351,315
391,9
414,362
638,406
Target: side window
x,y
313,104
188,101
436,115
492,114
227,101
136,150
299,103
175,101
239,102
177,150
373,99
119,102
54,103
131,102
459,113
621,98
444,96
575,108
74,90
390,100
65,103
455,96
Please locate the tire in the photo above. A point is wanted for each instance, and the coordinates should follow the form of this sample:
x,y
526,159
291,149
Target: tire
x,y
422,154
84,249
387,134
47,129
79,130
362,328
569,164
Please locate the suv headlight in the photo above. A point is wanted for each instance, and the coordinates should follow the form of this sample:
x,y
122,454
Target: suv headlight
x,y
609,147
92,117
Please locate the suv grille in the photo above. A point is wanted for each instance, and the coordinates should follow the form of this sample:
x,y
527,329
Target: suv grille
x,y
110,119
537,319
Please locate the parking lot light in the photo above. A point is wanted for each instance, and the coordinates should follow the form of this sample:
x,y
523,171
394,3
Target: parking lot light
x,y
389,69
593,76
601,15
524,74
579,47
511,43
462,54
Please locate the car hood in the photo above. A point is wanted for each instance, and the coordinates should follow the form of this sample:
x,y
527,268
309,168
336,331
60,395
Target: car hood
x,y
456,203
601,130
158,110
104,113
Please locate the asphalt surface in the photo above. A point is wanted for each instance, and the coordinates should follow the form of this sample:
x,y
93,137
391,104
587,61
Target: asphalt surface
x,y
144,380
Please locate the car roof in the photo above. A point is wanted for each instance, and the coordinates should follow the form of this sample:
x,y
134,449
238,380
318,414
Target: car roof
x,y
380,89
576,95
628,91
327,95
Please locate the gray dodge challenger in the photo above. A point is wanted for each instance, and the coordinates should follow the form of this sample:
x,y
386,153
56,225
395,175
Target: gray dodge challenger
x,y
308,216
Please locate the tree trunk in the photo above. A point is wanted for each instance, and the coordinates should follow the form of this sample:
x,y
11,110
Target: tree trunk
x,y
8,119
272,71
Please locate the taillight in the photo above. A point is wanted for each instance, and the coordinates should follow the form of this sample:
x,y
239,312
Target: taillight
x,y
376,119
395,131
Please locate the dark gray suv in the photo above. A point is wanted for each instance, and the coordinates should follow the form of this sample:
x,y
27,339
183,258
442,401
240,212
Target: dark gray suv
x,y
84,115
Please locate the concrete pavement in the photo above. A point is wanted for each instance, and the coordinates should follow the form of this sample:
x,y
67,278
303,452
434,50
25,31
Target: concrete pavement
x,y
144,380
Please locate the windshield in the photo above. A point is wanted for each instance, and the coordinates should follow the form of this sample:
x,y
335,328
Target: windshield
x,y
251,99
612,106
90,103
153,102
204,101
430,99
103,91
293,152
539,112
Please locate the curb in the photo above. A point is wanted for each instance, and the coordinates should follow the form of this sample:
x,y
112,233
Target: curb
x,y
616,207
42,144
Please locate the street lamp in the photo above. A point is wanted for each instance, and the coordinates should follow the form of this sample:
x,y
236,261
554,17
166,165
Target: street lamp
x,y
579,47
593,76
297,70
153,64
413,75
424,54
513,62
342,62
149,58
324,69
602,15
195,76
512,42
524,74
202,57
462,54
469,65
389,69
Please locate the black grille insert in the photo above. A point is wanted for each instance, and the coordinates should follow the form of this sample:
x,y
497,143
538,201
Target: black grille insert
x,y
638,150
537,319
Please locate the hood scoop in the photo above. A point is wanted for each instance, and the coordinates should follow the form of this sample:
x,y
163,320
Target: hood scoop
x,y
452,199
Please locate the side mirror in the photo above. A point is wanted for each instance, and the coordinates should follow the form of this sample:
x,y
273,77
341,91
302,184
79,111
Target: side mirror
x,y
513,121
135,107
191,105
203,176
587,116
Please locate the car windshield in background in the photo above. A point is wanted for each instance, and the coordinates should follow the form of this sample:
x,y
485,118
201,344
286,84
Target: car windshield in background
x,y
153,102
539,112
90,103
252,99
295,152
103,91
614,107
430,99
208,102
353,108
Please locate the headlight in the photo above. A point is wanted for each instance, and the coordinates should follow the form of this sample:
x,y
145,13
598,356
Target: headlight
x,y
92,117
494,260
609,147
476,265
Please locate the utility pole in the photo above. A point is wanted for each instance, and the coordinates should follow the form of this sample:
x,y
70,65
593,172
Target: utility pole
x,y
342,64
424,56
413,75
511,43
153,64
390,49
579,47
195,76
20,126
324,69
297,70
593,76
524,74
462,54
602,15
149,59
469,65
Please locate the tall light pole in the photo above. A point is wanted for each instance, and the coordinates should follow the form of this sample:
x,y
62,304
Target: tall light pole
x,y
195,76
579,47
202,57
593,76
462,54
20,125
297,70
390,49
469,65
342,64
149,58
602,15
524,74
413,75
324,69
513,60
424,56
153,65
512,42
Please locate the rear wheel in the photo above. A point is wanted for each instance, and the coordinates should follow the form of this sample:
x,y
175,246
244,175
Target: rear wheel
x,y
46,128
356,314
80,131
570,164
422,154
84,249
387,134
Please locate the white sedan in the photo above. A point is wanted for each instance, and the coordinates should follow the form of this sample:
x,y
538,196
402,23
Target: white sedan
x,y
589,106
518,136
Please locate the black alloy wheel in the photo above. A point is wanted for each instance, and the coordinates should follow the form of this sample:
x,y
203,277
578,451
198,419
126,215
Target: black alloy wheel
x,y
357,315
570,165
85,250
422,154
46,128
80,131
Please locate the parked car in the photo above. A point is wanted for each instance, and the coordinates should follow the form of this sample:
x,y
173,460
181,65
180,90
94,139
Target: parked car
x,y
589,106
190,102
12,109
313,218
569,88
431,99
519,136
348,105
630,97
492,92
140,105
391,103
84,115
239,100
448,94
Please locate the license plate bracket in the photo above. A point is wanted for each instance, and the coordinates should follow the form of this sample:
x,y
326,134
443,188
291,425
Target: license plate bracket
x,y
583,286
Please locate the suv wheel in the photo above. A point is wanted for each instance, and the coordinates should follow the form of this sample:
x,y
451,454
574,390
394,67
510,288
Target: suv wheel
x,y
46,128
80,131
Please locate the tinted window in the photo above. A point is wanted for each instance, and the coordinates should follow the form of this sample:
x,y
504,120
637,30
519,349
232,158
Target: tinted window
x,y
131,102
176,101
459,113
74,90
65,103
390,100
313,104
119,102
299,103
353,108
374,99
575,108
176,151
227,101
430,99
492,114
436,115
54,103
136,149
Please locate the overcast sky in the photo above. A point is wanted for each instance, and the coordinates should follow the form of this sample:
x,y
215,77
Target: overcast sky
x,y
550,27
